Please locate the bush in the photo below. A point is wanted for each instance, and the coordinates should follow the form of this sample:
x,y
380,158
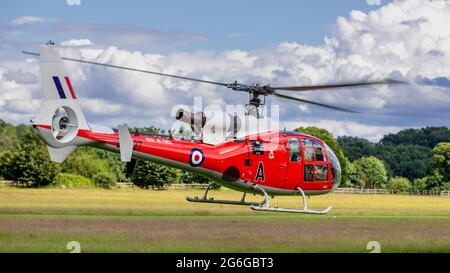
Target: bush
x,y
420,184
104,180
32,165
369,172
85,164
71,180
400,184
148,174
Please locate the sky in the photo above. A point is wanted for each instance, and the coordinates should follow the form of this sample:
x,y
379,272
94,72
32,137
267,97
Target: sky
x,y
287,42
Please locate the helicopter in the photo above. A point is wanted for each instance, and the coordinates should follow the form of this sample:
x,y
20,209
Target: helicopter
x,y
265,162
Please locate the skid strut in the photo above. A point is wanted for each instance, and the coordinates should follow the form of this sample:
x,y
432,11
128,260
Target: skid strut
x,y
266,205
205,199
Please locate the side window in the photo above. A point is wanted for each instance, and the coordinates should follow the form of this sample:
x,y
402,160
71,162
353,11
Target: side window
x,y
294,150
313,150
316,172
309,153
321,172
315,156
309,172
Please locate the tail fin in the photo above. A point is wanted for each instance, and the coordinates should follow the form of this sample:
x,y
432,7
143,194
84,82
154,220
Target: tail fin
x,y
55,82
60,118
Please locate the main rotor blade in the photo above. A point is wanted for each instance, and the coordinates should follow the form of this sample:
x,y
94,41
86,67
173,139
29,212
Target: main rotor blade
x,y
133,69
337,85
315,103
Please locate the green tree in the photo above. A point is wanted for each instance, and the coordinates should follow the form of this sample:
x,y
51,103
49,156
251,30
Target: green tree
x,y
8,138
328,138
369,172
410,161
434,181
438,177
32,165
7,165
355,147
420,184
104,180
149,174
85,164
441,159
427,137
400,184
112,161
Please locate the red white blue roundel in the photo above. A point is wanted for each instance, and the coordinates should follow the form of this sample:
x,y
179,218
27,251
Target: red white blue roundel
x,y
196,158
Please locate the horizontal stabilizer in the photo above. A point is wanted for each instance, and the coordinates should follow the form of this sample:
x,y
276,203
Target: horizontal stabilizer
x,y
58,155
126,143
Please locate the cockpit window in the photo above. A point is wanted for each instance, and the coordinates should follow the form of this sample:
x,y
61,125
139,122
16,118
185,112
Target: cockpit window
x,y
313,150
335,167
320,156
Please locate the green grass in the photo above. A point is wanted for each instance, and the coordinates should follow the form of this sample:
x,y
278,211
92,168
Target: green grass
x,y
134,220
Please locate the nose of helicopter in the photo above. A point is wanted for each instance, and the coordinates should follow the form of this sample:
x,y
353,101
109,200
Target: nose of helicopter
x,y
335,168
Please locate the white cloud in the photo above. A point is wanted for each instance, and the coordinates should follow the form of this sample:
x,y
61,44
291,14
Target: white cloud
x,y
77,42
100,107
345,128
404,39
25,20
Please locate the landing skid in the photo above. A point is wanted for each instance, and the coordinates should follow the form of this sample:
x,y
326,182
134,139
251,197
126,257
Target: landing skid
x,y
265,206
205,199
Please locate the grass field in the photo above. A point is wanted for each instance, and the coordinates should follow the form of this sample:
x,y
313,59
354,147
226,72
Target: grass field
x,y
133,220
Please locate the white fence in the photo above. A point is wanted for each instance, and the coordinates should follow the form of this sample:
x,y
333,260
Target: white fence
x,y
360,191
386,191
337,191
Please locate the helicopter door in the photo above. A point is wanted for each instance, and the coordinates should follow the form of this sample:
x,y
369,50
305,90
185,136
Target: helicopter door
x,y
315,161
294,163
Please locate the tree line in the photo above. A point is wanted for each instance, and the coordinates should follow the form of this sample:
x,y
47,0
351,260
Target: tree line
x,y
412,159
25,160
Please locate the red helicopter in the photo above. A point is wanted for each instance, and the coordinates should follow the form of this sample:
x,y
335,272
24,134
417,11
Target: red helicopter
x,y
267,163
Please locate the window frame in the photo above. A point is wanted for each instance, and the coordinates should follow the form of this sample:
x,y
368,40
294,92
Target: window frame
x,y
313,145
299,146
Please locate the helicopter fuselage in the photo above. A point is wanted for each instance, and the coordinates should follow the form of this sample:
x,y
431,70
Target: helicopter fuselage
x,y
279,162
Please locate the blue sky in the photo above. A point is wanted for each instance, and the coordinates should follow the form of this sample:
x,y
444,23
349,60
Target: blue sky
x,y
287,42
231,24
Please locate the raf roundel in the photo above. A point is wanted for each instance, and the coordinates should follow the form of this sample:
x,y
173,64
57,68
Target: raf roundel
x,y
196,158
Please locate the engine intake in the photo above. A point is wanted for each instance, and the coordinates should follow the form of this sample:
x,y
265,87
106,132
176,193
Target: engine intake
x,y
197,120
210,122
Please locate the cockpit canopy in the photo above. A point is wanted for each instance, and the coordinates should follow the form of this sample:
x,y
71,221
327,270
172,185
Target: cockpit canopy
x,y
335,167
